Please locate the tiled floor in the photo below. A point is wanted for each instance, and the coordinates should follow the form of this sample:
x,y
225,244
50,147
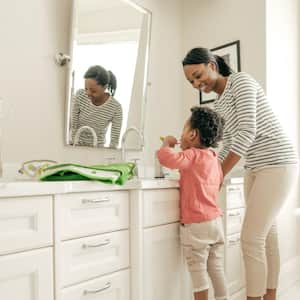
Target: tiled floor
x,y
292,294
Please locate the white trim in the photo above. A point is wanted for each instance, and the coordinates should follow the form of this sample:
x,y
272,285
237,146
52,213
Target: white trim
x,y
108,37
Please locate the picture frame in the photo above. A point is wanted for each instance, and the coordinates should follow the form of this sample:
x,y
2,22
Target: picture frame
x,y
230,52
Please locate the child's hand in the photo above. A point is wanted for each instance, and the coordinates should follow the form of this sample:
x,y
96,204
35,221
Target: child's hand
x,y
169,141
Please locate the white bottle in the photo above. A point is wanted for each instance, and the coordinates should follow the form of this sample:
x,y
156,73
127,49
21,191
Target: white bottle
x,y
158,172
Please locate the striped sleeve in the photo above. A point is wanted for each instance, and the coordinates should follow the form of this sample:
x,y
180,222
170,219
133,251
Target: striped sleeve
x,y
252,130
244,90
226,145
116,126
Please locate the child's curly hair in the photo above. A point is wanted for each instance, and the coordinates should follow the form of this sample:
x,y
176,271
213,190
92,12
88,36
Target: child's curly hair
x,y
210,125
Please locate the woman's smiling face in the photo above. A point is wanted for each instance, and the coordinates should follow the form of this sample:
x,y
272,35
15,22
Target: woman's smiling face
x,y
202,77
94,90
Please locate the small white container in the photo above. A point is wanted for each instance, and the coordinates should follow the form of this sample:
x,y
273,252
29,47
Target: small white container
x,y
158,170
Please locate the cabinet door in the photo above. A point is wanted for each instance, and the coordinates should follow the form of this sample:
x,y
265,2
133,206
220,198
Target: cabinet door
x,y
160,207
25,223
27,275
162,263
234,265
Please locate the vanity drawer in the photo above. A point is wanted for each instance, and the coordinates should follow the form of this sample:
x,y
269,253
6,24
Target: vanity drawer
x,y
234,220
160,206
235,196
25,223
86,258
83,214
109,287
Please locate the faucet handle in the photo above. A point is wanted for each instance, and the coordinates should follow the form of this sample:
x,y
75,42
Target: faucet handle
x,y
136,167
135,159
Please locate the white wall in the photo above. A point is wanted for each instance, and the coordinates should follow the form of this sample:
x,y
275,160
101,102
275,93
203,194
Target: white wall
x,y
165,90
33,87
283,91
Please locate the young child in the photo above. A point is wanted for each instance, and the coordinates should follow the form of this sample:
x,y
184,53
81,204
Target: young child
x,y
201,230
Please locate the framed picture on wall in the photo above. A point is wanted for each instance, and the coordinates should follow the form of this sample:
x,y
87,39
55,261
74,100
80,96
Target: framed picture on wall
x,y
231,54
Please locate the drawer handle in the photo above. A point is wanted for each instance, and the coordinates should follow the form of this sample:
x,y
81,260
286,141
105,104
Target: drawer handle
x,y
238,214
107,286
85,246
233,188
234,242
95,201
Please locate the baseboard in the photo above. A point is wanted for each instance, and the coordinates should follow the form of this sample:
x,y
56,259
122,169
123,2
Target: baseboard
x,y
289,274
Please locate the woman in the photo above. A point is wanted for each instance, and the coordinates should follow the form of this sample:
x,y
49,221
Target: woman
x,y
97,108
253,132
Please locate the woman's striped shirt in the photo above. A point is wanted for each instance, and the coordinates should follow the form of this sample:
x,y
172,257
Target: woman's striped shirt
x,y
251,128
85,113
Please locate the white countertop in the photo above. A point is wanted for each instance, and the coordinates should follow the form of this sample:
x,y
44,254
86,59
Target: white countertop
x,y
29,188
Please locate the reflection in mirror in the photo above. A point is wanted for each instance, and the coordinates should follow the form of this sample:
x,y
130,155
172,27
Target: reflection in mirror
x,y
107,75
96,107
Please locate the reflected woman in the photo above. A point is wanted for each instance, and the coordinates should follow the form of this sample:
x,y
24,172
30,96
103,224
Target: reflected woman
x,y
97,108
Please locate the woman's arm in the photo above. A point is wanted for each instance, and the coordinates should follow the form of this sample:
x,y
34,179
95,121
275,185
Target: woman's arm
x,y
229,162
116,127
244,92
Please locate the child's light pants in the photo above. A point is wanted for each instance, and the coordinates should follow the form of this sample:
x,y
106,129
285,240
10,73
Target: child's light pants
x,y
203,248
266,190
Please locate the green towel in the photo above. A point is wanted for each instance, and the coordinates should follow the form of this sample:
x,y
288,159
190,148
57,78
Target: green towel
x,y
117,173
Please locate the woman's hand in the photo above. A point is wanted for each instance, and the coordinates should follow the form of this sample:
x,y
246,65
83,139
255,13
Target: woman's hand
x,y
229,162
169,141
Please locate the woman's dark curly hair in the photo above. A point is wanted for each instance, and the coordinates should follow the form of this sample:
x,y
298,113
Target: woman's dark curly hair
x,y
209,124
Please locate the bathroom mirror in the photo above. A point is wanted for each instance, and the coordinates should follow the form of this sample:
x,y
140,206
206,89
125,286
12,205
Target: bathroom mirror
x,y
114,34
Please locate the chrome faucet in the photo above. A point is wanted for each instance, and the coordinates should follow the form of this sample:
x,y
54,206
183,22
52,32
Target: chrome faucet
x,y
123,141
82,128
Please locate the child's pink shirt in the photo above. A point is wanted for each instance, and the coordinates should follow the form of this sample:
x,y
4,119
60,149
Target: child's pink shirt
x,y
200,179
